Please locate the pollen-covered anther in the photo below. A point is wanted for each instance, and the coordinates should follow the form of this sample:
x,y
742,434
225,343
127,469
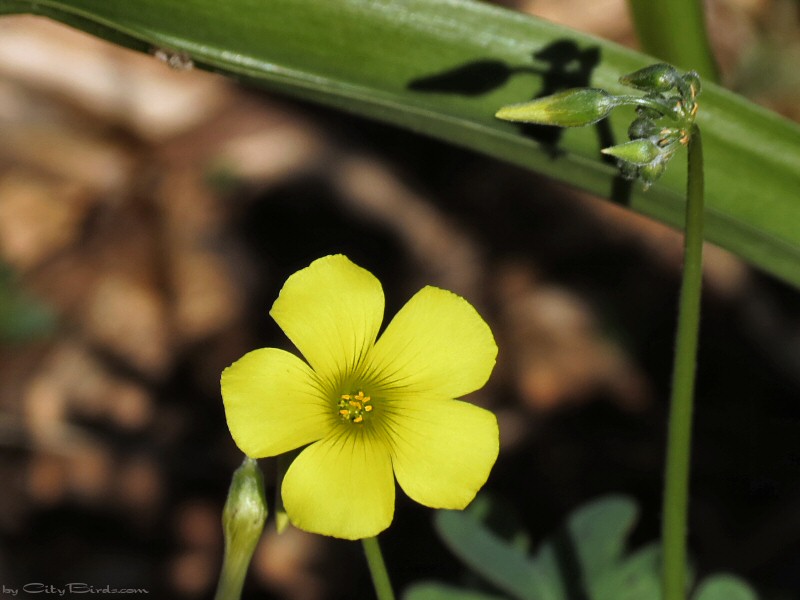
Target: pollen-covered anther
x,y
352,407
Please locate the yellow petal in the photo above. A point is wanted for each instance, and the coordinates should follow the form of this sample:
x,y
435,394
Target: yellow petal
x,y
442,450
341,486
273,403
331,310
437,345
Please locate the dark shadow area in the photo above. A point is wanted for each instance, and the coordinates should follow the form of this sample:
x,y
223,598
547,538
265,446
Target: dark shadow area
x,y
571,569
560,66
303,219
473,79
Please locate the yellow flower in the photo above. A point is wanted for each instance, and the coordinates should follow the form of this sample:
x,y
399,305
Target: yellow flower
x,y
367,411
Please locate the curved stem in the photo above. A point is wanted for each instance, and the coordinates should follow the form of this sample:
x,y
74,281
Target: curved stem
x,y
656,104
377,568
676,485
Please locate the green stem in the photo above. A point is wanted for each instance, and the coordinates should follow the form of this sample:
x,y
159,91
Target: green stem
x,y
676,486
377,568
231,579
656,104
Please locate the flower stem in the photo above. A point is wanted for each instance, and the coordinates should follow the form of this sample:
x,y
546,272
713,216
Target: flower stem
x,y
231,580
676,485
377,568
660,105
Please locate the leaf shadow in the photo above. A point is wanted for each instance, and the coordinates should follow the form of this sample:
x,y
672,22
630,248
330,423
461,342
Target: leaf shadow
x,y
558,66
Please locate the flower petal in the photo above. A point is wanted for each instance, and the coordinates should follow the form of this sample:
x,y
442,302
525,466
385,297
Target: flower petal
x,y
437,344
442,450
331,310
341,486
273,403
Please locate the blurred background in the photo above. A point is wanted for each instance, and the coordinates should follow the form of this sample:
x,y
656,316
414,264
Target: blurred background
x,y
149,216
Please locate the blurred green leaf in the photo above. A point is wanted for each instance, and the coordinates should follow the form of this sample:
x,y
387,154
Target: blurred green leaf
x,y
585,556
585,559
438,591
499,562
445,68
599,531
21,317
724,587
676,32
636,577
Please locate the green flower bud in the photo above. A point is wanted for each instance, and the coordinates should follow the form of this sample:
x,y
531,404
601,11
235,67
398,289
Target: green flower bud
x,y
637,152
243,521
655,78
643,127
651,172
246,507
570,108
691,86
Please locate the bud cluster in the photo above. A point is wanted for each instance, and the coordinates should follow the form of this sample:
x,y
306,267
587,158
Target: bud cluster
x,y
664,116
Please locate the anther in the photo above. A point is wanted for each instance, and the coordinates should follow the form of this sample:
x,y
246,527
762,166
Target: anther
x,y
353,406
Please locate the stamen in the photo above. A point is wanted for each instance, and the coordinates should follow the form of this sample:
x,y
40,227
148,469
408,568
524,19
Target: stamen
x,y
352,407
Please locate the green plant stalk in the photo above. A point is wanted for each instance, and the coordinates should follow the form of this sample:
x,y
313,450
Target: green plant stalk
x,y
377,569
675,31
679,437
231,579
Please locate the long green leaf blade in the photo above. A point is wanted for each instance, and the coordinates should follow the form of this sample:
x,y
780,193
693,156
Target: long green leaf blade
x,y
444,67
676,32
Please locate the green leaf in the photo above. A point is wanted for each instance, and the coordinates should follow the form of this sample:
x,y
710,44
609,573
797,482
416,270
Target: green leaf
x,y
724,587
586,556
585,559
634,578
502,564
445,68
675,31
599,531
439,591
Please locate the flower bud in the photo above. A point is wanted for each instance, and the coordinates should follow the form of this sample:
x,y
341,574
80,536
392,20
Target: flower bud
x,y
243,521
651,172
643,127
570,108
655,78
692,79
246,507
637,152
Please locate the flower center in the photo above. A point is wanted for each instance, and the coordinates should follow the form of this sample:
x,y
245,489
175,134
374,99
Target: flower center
x,y
353,407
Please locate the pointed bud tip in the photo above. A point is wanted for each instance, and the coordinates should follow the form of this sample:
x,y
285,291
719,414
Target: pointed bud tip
x,y
660,77
637,152
570,108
